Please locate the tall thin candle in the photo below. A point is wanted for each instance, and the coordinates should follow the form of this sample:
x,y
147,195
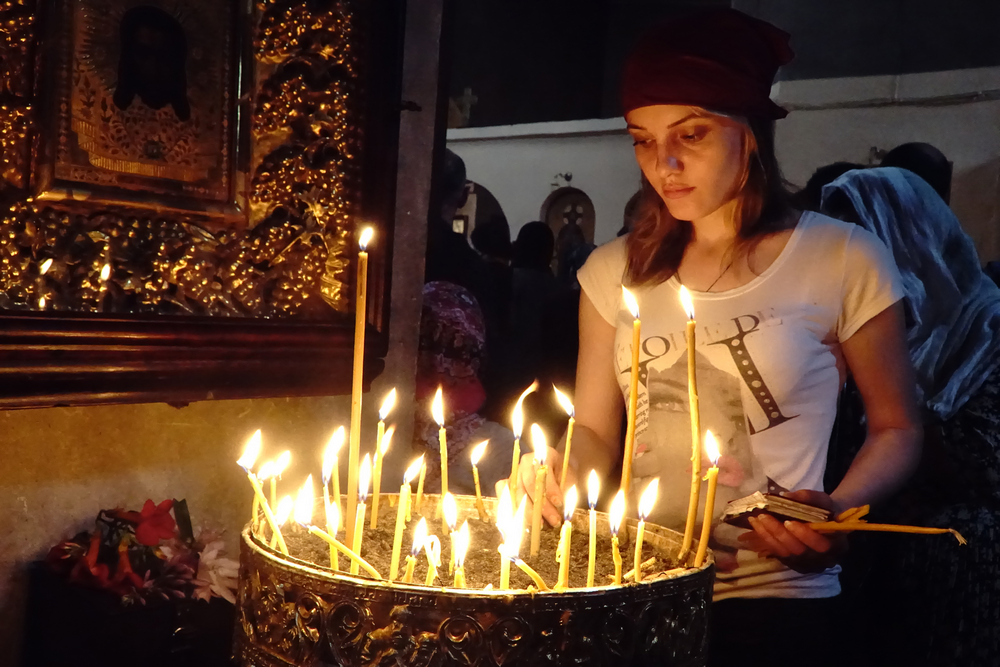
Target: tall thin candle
x,y
633,393
461,548
331,463
332,528
593,491
303,516
360,310
566,538
250,453
615,522
380,452
401,513
246,462
541,448
359,519
477,453
517,421
437,411
285,507
279,467
571,411
432,547
646,503
419,538
505,519
695,410
451,520
712,449
420,489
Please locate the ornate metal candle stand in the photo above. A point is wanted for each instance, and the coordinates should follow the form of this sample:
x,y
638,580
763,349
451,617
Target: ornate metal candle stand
x,y
291,612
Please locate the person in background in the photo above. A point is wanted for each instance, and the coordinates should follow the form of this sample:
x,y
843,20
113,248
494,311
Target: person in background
x,y
787,303
808,198
450,355
491,239
943,600
925,161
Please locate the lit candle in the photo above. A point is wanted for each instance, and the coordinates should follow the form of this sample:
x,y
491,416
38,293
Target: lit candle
x,y
263,474
364,478
615,522
360,309
250,453
419,537
477,453
451,520
279,467
388,403
538,442
303,516
513,548
633,392
40,285
461,548
712,449
432,548
518,424
402,511
571,411
695,428
246,461
332,528
593,490
505,521
420,489
331,464
566,538
285,507
105,274
437,411
646,503
380,452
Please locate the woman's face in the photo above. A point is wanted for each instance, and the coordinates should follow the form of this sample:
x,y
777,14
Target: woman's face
x,y
693,158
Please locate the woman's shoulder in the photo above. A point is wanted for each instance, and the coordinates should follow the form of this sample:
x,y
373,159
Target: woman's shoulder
x,y
827,235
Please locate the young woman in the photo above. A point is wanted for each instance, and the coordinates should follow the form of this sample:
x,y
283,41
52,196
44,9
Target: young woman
x,y
786,304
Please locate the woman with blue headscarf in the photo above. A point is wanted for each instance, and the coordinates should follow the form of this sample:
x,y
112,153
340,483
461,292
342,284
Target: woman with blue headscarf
x,y
945,602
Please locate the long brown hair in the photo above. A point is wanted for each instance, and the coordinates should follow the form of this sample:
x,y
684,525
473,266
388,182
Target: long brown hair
x,y
657,240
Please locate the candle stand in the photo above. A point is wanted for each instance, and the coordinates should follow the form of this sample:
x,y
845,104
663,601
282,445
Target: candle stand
x,y
292,612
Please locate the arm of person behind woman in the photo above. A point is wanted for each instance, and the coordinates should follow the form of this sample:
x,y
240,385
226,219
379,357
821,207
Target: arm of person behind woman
x,y
878,358
598,403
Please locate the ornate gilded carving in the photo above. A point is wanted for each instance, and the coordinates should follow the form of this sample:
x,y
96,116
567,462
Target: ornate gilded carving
x,y
286,258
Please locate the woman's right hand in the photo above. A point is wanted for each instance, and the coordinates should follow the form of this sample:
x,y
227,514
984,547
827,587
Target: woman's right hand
x,y
524,485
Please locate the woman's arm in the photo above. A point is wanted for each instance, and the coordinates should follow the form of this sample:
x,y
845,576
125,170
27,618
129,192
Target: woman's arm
x,y
878,359
598,403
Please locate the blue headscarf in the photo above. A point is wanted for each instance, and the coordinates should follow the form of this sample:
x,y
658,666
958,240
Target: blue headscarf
x,y
953,307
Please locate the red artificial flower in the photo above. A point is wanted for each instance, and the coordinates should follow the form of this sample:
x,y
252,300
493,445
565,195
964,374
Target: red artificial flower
x,y
155,523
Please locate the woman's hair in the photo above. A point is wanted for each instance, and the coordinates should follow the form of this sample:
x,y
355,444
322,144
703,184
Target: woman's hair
x,y
657,240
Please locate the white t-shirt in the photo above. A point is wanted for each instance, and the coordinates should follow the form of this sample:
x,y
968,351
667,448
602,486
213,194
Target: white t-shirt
x,y
769,371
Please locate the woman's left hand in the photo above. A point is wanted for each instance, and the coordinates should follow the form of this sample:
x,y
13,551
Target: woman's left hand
x,y
794,543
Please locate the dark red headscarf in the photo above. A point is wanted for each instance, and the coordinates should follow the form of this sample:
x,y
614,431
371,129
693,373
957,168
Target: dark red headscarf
x,y
718,59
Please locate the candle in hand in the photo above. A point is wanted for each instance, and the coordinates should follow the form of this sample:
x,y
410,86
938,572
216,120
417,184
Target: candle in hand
x,y
615,522
451,520
712,449
402,511
477,453
646,503
541,448
571,411
695,427
517,421
331,463
364,478
566,538
360,310
380,452
419,537
593,491
633,393
461,548
437,411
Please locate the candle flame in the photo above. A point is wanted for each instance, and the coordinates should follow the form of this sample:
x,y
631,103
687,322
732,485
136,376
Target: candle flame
x,y
461,544
712,448
387,404
478,451
433,547
282,463
387,440
648,499
518,532
285,507
450,511
366,237
45,266
304,503
631,303
265,471
364,478
569,503
437,408
593,488
330,455
538,442
105,273
564,402
617,512
518,418
687,303
41,303
333,519
419,537
505,512
250,452
413,470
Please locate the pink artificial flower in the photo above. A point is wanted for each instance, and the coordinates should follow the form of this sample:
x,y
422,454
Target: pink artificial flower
x,y
155,523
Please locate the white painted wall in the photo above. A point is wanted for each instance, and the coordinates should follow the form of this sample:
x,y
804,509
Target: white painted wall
x,y
829,120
